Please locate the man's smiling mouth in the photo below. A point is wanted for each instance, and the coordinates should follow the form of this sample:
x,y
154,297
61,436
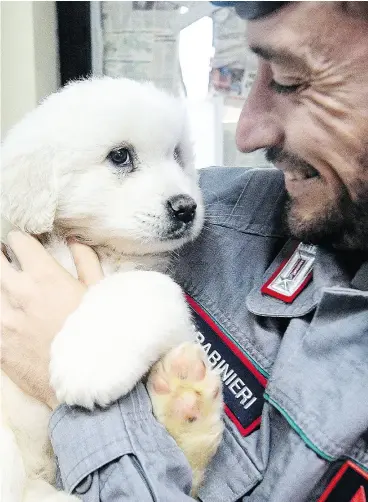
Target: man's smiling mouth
x,y
293,167
299,180
298,173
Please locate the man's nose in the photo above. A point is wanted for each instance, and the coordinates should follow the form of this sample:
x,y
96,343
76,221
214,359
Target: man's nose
x,y
258,125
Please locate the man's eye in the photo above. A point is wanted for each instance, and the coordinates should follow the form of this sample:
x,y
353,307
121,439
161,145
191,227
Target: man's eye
x,y
284,89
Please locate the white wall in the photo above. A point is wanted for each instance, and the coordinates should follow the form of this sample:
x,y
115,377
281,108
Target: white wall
x,y
29,63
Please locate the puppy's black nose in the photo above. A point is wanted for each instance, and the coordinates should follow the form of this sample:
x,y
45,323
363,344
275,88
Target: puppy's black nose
x,y
182,208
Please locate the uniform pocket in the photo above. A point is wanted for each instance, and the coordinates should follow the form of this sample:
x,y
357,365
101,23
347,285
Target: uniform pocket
x,y
231,474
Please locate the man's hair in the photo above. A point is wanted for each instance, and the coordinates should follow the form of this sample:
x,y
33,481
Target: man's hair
x,y
252,10
256,10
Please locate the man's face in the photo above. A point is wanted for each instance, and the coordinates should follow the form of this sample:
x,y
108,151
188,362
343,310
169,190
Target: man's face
x,y
309,109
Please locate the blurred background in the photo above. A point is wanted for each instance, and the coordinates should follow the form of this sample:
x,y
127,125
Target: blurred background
x,y
191,49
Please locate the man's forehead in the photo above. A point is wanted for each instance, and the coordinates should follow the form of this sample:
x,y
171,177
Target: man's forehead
x,y
315,39
260,30
274,39
288,35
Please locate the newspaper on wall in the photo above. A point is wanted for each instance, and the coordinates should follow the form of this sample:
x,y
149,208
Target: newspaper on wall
x,y
140,42
233,66
233,70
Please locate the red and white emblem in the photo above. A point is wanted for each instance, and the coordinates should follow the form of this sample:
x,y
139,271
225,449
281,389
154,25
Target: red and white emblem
x,y
293,274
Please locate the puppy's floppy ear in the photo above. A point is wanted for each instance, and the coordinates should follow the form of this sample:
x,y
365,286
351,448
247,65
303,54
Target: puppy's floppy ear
x,y
29,191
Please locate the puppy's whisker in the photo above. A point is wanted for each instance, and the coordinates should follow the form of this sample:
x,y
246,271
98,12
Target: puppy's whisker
x,y
147,215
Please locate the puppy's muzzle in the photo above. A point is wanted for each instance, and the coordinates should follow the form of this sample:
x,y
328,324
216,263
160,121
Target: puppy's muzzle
x,y
182,208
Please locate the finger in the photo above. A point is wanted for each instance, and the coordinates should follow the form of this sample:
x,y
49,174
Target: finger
x,y
31,254
9,254
11,316
9,275
86,262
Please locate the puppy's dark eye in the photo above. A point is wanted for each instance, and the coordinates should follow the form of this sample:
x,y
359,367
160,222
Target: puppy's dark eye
x,y
120,157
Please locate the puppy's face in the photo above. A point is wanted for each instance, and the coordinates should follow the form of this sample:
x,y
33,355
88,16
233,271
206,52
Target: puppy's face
x,y
120,163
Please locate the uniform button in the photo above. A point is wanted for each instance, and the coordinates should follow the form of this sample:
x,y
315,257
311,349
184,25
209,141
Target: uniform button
x,y
85,485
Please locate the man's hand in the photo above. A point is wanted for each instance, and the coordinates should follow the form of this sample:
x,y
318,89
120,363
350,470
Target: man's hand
x,y
35,302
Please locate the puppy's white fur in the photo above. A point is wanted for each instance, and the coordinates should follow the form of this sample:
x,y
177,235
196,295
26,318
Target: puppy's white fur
x,y
144,315
58,181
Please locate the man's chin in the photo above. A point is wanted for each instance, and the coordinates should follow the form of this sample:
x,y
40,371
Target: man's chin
x,y
342,226
308,230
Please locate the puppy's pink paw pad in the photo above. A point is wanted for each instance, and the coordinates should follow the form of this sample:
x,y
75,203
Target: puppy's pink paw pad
x,y
187,399
160,385
183,387
186,363
187,406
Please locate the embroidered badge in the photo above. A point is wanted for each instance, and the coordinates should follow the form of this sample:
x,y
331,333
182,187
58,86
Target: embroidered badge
x,y
243,384
350,484
293,274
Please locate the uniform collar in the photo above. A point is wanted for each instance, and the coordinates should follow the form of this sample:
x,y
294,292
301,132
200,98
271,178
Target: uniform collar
x,y
360,280
331,269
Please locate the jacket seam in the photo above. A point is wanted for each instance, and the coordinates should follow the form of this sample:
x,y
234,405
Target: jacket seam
x,y
248,231
108,478
249,347
303,421
118,455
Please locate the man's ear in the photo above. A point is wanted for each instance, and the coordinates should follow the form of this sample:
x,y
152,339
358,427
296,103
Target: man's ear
x,y
29,190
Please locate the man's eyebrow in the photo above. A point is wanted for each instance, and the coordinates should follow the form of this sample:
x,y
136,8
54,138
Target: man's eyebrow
x,y
278,56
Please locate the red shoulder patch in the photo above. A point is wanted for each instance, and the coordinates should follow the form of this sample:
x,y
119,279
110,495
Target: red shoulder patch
x,y
349,484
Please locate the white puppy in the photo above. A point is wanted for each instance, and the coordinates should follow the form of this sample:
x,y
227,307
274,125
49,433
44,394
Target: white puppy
x,y
109,161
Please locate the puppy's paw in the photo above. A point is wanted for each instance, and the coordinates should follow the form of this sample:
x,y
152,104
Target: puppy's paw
x,y
90,381
187,399
37,490
123,325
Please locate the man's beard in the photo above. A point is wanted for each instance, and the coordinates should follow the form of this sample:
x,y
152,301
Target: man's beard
x,y
342,224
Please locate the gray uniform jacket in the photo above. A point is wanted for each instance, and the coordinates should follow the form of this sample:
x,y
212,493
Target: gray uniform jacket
x,y
301,438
